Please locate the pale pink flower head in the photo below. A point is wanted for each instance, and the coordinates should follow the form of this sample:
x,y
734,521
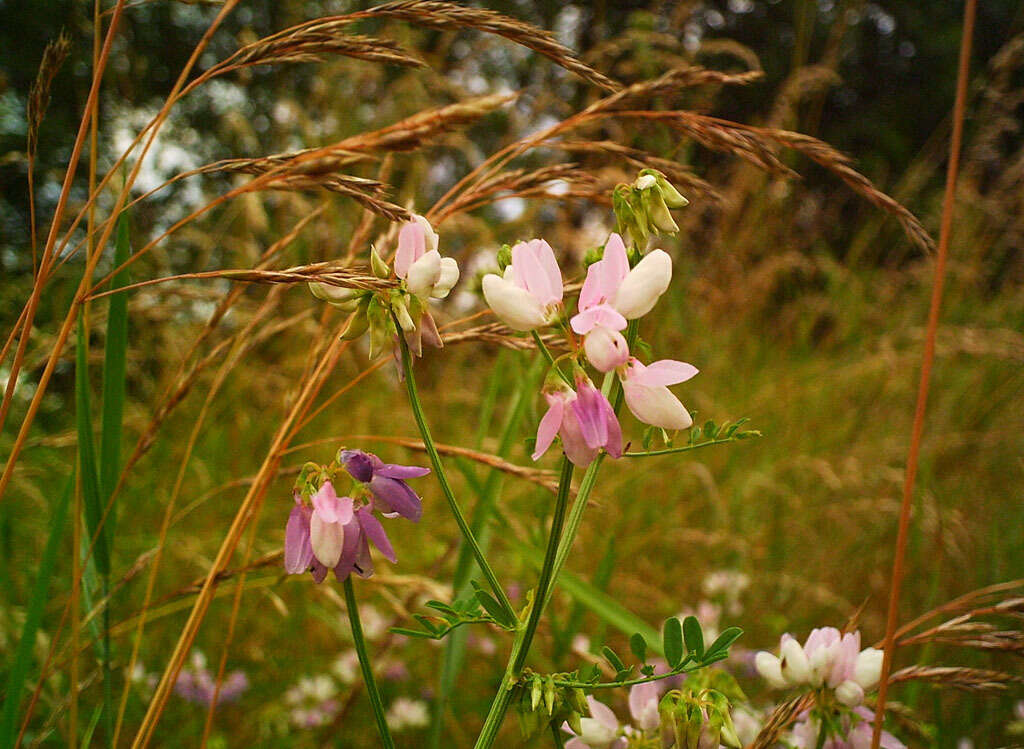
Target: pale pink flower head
x,y
647,395
529,292
585,421
599,731
419,263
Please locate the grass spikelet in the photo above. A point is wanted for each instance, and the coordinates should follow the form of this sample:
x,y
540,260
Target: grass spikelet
x,y
967,679
452,15
39,95
313,41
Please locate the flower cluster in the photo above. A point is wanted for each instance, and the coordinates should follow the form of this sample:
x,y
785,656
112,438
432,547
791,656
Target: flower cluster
x,y
406,714
528,296
828,659
312,702
196,683
423,274
854,731
334,533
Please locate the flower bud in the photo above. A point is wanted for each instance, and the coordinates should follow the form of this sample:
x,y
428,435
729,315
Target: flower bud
x,y
401,311
504,257
657,212
672,197
641,289
343,298
357,325
606,349
377,265
850,693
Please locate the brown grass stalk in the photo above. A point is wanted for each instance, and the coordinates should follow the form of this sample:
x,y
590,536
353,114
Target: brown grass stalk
x,y
945,232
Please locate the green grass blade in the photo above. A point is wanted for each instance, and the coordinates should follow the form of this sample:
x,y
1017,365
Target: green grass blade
x,y
33,616
114,368
92,503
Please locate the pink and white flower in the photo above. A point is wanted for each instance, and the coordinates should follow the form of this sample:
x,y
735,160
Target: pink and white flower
x,y
827,658
528,295
333,534
427,275
645,388
585,421
613,294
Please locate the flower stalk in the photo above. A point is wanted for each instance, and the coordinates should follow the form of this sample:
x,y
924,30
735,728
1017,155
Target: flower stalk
x,y
442,479
364,663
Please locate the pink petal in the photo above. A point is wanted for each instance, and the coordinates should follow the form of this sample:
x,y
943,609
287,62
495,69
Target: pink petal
x,y
548,427
375,532
395,471
662,373
530,272
591,419
349,552
329,507
298,551
603,714
576,448
603,314
613,444
617,264
411,246
590,294
546,259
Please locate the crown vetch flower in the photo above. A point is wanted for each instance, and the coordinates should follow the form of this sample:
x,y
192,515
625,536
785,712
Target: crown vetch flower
x,y
418,262
613,294
585,421
827,658
333,534
529,292
386,482
647,395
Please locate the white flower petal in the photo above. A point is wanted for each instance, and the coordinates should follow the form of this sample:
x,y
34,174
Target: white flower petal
x,y
517,307
640,290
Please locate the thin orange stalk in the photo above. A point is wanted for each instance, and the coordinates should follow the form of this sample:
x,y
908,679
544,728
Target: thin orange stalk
x,y
928,358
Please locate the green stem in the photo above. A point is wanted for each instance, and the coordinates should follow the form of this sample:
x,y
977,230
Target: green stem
x,y
556,734
543,583
442,478
551,359
524,637
364,662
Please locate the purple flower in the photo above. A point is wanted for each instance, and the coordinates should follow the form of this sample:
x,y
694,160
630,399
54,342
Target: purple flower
x,y
584,420
333,535
386,482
